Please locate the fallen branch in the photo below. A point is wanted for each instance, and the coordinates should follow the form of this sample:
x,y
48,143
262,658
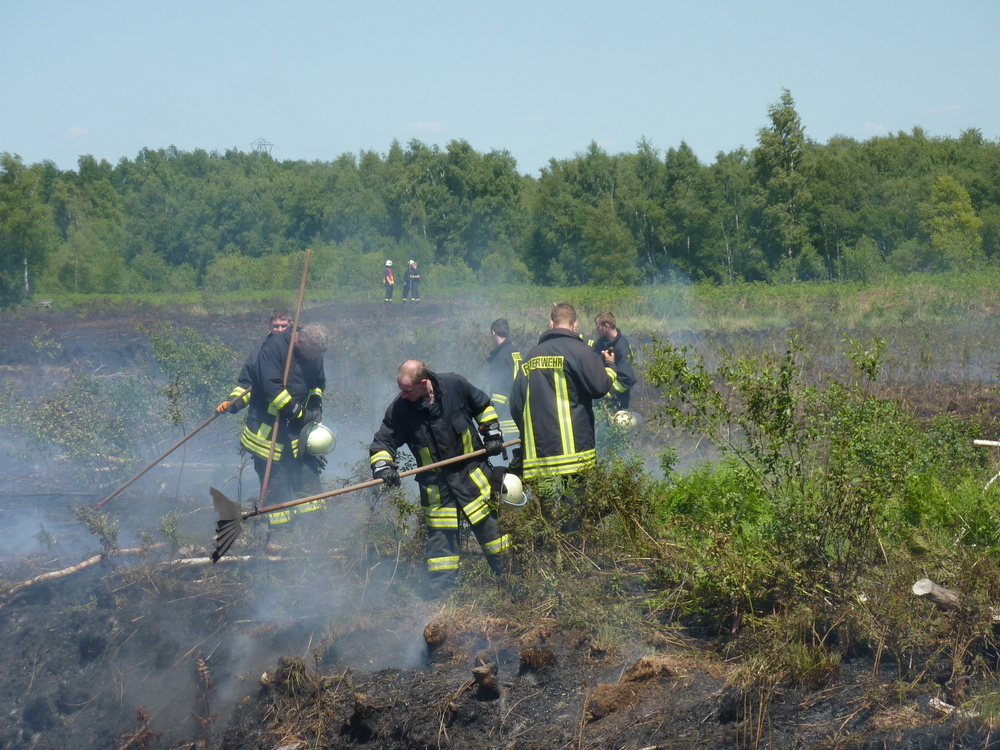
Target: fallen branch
x,y
941,597
53,575
56,574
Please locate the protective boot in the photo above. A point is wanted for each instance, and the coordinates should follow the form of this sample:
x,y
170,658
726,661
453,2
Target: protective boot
x,y
497,564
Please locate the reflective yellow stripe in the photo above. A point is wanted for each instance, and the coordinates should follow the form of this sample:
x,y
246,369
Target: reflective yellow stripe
x,y
516,359
509,429
380,456
284,516
431,495
279,402
424,456
559,465
564,411
497,545
259,443
442,563
489,414
528,438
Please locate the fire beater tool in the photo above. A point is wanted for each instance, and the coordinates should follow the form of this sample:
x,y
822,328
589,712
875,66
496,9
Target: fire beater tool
x,y
232,517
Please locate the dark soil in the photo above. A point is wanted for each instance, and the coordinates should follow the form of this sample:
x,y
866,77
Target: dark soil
x,y
299,649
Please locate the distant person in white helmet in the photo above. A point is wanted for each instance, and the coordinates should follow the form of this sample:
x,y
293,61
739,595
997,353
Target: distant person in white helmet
x,y
389,281
411,282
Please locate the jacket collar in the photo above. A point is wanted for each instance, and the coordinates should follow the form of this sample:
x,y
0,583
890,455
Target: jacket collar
x,y
557,332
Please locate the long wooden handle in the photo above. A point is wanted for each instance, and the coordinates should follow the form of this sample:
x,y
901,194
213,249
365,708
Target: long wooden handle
x,y
284,378
169,450
370,482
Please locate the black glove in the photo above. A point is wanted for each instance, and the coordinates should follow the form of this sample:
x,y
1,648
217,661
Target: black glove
x,y
387,472
492,439
320,462
236,405
312,414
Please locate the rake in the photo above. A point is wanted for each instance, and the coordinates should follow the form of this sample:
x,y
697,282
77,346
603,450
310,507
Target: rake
x,y
232,517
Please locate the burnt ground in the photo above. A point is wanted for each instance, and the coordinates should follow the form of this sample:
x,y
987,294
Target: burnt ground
x,y
329,645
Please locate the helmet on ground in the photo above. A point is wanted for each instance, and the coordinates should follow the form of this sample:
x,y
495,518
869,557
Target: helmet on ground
x,y
388,263
631,420
512,491
320,439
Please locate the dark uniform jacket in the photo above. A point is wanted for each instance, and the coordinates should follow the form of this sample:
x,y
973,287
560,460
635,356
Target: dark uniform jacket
x,y
623,362
503,362
437,431
269,397
552,403
241,393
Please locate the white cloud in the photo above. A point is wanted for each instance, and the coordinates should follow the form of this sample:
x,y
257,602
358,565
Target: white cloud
x,y
870,128
75,132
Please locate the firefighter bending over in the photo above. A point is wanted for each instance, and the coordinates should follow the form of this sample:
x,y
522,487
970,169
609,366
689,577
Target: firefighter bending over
x,y
439,416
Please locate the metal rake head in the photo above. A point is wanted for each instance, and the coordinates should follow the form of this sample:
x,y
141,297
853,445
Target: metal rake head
x,y
230,524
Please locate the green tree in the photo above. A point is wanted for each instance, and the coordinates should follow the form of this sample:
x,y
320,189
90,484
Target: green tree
x,y
735,197
607,247
953,230
27,230
783,165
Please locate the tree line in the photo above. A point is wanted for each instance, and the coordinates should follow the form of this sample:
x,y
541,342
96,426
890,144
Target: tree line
x,y
788,208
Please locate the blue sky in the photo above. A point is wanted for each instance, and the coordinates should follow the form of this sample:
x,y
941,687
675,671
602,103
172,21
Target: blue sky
x,y
538,79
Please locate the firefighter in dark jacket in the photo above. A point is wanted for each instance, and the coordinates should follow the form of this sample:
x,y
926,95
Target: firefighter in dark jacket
x,y
238,399
439,416
411,283
609,337
552,399
503,361
287,407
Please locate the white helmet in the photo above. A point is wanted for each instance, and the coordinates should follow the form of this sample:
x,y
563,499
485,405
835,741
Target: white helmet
x,y
320,439
630,420
388,263
512,491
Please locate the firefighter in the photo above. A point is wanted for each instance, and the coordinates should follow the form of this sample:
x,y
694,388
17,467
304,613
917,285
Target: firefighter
x,y
609,337
411,283
552,402
240,395
389,281
288,407
439,416
503,362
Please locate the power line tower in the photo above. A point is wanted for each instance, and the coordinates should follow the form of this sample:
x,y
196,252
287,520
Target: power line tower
x,y
261,146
